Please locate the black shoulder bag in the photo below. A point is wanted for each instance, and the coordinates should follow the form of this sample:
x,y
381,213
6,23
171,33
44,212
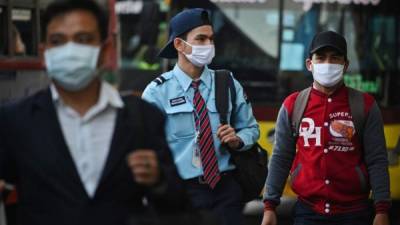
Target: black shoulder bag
x,y
252,164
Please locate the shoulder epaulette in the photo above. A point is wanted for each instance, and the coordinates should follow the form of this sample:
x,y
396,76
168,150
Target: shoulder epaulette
x,y
159,80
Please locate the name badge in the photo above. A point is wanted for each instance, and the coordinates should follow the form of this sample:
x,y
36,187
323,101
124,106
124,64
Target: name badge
x,y
177,101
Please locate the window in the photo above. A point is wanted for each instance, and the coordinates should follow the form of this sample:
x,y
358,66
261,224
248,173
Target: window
x,y
22,32
142,33
19,34
142,27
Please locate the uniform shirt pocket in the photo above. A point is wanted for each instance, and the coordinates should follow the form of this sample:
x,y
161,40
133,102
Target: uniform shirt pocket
x,y
180,121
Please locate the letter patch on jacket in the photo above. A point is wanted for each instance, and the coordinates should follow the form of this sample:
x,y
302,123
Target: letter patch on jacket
x,y
310,132
177,101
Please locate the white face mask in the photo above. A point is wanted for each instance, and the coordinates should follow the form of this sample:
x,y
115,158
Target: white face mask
x,y
326,74
72,65
201,54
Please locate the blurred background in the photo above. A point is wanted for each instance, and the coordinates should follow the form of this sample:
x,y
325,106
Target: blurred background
x,y
264,43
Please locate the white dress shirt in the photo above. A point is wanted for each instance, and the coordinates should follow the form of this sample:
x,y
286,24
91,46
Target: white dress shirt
x,y
88,137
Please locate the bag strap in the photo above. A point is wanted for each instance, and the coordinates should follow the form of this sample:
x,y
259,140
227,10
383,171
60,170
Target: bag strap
x,y
298,110
356,103
223,85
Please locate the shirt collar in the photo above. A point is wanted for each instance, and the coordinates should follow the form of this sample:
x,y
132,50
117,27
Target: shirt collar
x,y
111,95
340,90
54,93
108,95
185,80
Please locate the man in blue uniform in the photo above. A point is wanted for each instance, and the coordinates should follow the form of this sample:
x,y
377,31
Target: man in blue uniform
x,y
198,141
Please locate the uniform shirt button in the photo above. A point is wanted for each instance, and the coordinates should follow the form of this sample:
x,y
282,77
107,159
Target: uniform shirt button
x,y
325,151
329,100
327,181
327,205
326,124
327,210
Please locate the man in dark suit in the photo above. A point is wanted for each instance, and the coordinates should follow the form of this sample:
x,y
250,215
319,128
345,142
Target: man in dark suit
x,y
78,152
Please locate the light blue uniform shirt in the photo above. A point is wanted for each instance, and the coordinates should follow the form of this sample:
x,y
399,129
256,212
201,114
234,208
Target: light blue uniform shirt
x,y
174,97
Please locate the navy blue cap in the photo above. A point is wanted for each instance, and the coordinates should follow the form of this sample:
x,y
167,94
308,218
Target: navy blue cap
x,y
181,23
328,39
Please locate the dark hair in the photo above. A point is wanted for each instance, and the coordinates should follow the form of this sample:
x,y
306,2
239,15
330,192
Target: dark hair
x,y
61,7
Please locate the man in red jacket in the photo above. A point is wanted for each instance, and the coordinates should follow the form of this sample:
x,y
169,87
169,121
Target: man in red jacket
x,y
332,168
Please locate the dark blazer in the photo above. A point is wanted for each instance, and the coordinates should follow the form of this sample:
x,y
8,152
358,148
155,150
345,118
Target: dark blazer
x,y
34,156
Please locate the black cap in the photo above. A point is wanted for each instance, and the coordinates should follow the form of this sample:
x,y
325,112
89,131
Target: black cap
x,y
181,23
328,39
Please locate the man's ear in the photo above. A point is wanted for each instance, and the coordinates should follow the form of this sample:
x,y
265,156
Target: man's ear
x,y
106,56
346,66
309,64
178,44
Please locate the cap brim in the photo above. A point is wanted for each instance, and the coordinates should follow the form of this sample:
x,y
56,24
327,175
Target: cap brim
x,y
327,45
168,51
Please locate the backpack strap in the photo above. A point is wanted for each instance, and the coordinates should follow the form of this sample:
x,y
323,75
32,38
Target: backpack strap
x,y
356,103
298,110
223,85
233,97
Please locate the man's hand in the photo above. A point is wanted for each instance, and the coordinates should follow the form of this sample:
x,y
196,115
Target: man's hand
x,y
381,219
144,166
227,135
270,218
